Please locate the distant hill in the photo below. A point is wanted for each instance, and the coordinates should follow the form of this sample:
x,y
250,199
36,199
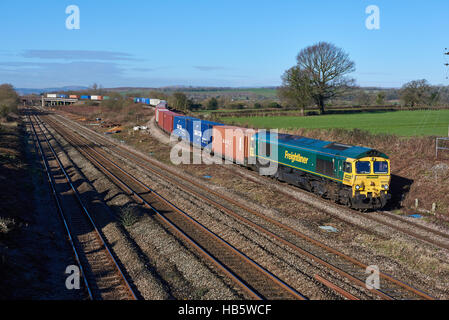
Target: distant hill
x,y
26,91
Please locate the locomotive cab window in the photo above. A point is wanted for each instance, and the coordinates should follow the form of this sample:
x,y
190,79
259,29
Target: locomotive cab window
x,y
347,167
363,167
380,167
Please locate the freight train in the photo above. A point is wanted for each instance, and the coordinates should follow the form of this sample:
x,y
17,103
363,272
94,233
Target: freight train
x,y
151,102
148,101
354,176
74,96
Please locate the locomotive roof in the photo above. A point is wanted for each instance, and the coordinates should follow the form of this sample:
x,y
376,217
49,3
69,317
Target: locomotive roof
x,y
325,147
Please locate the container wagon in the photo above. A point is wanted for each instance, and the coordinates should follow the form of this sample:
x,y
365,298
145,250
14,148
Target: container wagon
x,y
154,102
158,110
232,143
162,104
202,132
167,120
183,127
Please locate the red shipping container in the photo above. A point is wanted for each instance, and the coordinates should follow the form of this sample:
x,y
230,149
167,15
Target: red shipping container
x,y
157,113
232,143
72,96
167,120
160,117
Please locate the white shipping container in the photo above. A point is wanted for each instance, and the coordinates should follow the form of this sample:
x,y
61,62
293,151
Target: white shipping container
x,y
94,98
155,102
51,95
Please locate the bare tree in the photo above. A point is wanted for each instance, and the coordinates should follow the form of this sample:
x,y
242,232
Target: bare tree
x,y
8,100
418,93
212,104
326,67
95,87
295,89
380,98
179,101
362,98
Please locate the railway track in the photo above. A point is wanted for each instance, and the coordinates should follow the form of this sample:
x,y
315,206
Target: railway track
x,y
256,281
346,267
102,276
418,226
423,233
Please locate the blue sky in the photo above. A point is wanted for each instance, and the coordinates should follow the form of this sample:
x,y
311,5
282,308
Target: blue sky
x,y
214,42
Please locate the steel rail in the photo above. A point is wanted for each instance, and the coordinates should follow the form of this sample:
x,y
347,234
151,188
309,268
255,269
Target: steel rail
x,y
271,234
425,228
229,272
412,234
89,216
60,209
205,229
291,230
405,231
336,288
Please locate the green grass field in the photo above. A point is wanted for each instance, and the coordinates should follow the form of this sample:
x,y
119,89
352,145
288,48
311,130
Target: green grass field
x,y
401,123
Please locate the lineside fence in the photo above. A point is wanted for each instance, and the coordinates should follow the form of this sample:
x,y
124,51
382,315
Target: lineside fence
x,y
441,144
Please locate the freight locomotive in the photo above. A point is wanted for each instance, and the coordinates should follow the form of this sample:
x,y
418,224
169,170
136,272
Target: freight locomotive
x,y
355,176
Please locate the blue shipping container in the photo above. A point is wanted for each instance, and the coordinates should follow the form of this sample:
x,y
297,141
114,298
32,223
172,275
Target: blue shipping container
x,y
183,127
202,132
147,100
62,96
85,97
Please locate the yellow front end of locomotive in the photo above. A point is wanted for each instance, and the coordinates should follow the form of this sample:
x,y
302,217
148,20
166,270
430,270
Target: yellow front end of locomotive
x,y
368,177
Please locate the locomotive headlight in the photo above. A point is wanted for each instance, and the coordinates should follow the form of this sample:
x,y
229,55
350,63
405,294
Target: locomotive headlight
x,y
357,187
386,186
